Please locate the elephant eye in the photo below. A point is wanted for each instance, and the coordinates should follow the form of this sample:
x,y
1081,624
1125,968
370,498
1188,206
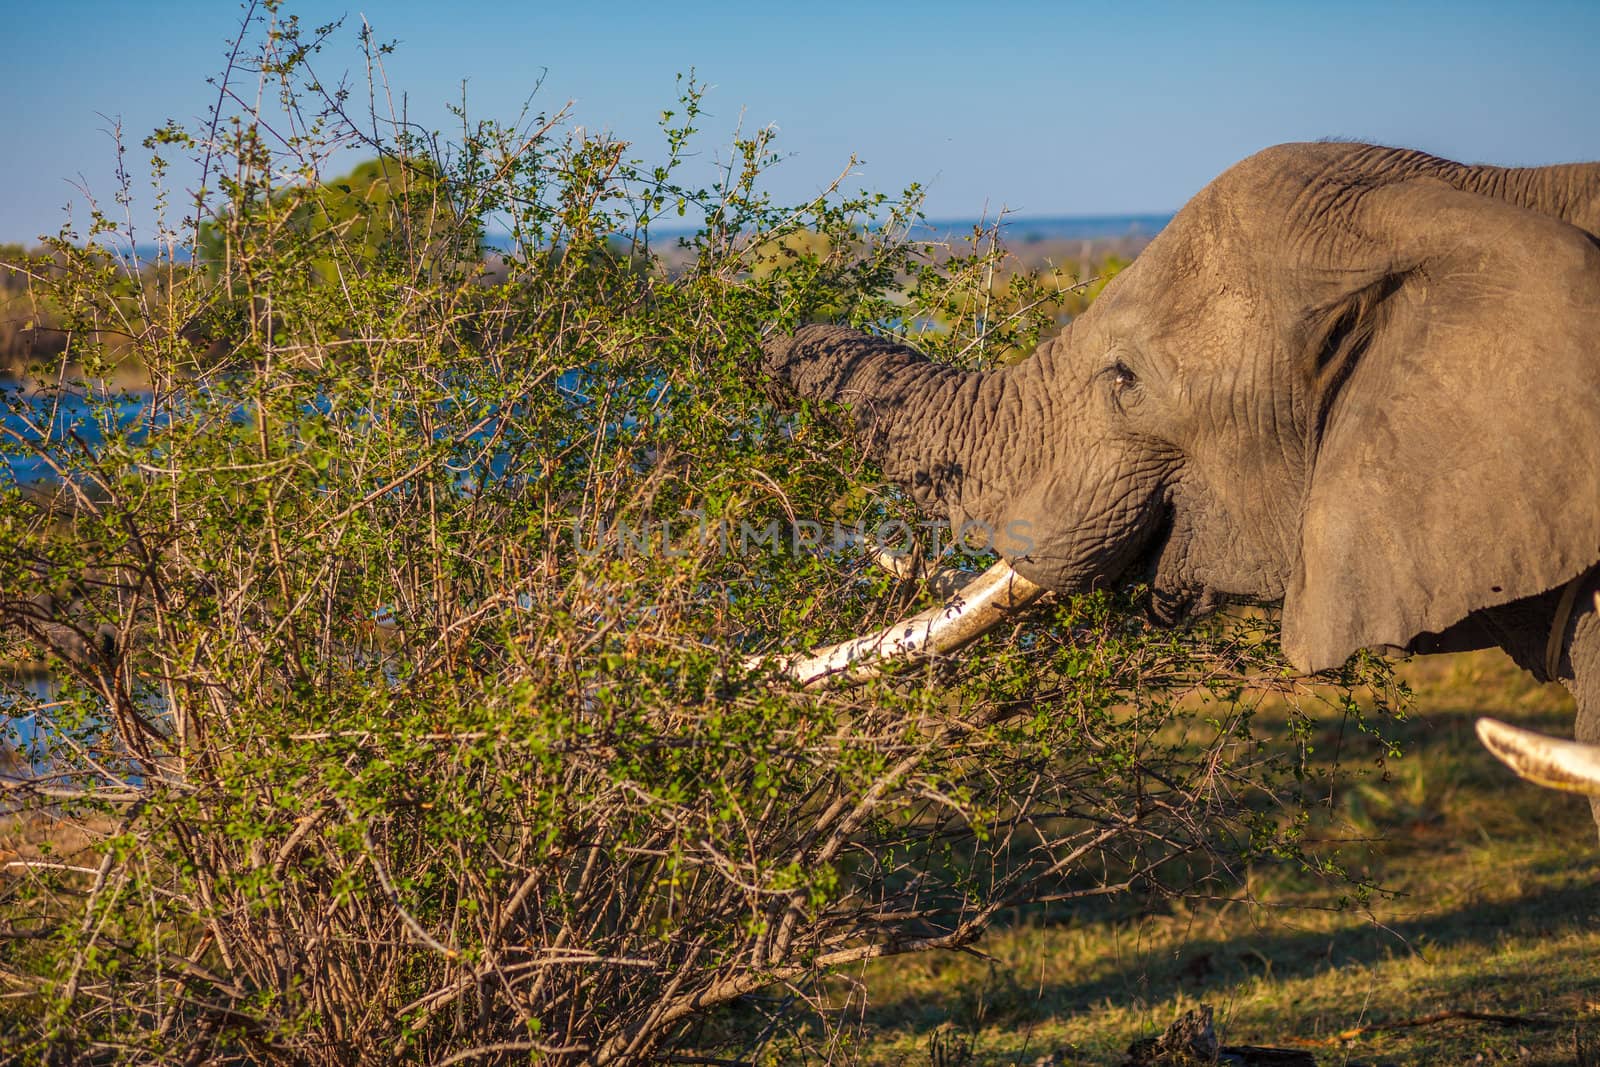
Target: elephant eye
x,y
1124,385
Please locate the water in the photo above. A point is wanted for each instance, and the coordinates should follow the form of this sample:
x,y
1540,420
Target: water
x,y
66,421
72,425
42,736
23,752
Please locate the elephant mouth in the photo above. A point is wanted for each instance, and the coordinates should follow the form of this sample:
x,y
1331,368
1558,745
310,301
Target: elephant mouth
x,y
1158,565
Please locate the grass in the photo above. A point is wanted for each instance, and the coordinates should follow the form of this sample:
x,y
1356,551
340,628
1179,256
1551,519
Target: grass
x,y
1492,905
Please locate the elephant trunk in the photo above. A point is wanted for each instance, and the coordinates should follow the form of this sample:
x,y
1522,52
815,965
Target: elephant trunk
x,y
951,437
938,430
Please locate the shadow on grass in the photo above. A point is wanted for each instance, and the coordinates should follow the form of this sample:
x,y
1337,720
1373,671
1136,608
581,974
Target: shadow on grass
x,y
1452,832
1214,968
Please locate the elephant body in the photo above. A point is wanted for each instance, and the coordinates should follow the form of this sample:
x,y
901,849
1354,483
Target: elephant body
x,y
1358,381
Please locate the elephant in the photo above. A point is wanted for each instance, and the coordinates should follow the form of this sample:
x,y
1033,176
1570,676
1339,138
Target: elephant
x,y
1356,381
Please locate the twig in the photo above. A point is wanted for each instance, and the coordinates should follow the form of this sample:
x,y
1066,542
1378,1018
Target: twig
x,y
511,1046
1447,1016
1431,1020
393,894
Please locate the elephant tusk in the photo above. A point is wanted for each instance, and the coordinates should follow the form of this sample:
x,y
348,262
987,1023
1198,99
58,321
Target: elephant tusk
x,y
943,582
903,566
1570,766
967,614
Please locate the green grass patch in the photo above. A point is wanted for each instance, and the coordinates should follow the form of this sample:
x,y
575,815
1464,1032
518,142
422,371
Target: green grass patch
x,y
1490,903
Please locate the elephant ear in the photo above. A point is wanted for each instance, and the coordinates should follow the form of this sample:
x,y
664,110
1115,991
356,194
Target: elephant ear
x,y
1457,411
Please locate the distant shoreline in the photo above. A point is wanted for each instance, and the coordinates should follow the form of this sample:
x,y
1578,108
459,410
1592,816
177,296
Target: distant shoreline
x,y
1022,229
1052,227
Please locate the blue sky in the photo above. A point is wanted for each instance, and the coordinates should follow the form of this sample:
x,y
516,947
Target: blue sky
x,y
1042,108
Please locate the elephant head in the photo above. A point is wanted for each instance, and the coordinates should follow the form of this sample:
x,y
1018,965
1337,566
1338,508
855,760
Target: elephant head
x,y
1351,379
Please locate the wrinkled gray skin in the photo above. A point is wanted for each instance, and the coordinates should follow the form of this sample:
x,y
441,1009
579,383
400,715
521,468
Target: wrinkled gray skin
x,y
1360,381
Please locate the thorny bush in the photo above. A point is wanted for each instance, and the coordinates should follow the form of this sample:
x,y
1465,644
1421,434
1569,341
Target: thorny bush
x,y
390,695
